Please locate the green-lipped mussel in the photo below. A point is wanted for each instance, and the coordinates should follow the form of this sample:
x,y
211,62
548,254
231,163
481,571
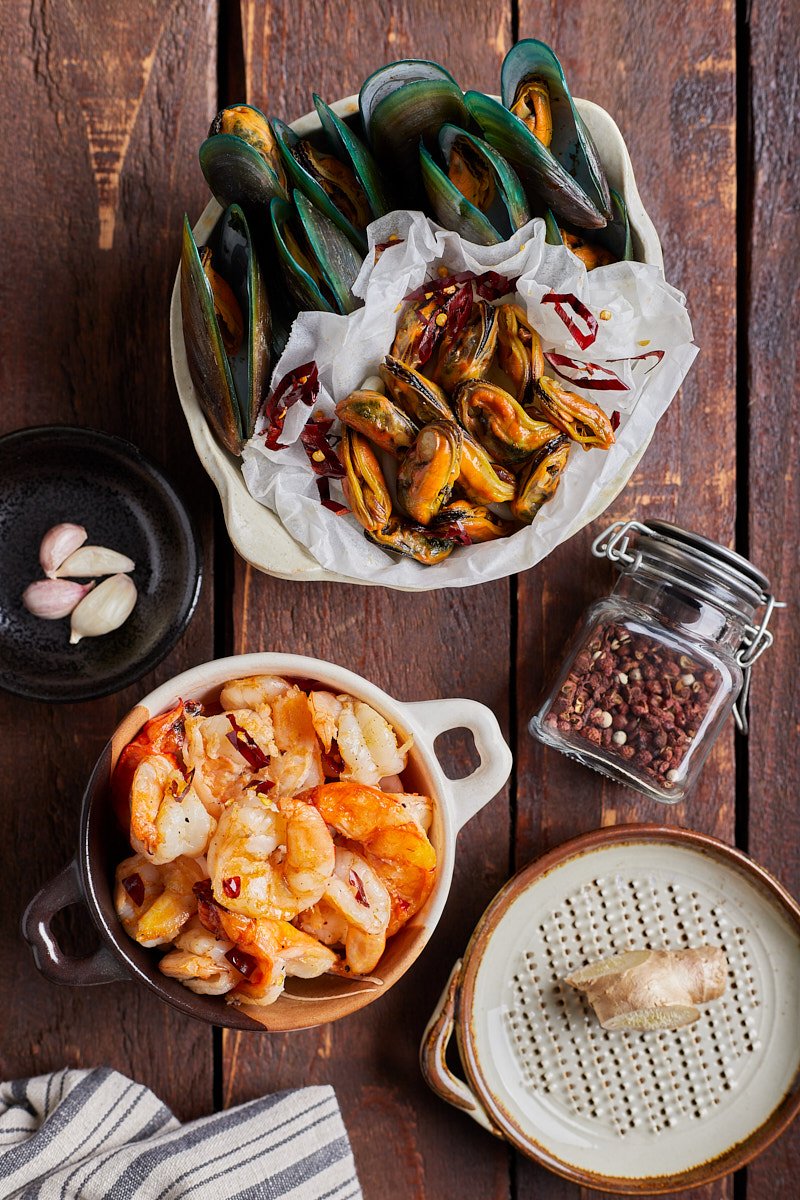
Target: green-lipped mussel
x,y
519,350
429,470
328,181
226,327
412,541
319,262
364,485
468,353
477,521
348,147
541,477
240,159
580,419
501,425
379,419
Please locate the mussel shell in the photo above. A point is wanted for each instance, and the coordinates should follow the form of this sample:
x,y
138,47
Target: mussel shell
x,y
429,470
469,354
379,419
229,391
541,173
509,209
572,144
299,275
364,485
616,236
412,541
522,363
541,478
402,103
349,148
502,426
335,254
288,141
423,400
236,170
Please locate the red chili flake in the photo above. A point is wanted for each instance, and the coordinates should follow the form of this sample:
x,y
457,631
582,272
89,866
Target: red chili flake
x,y
244,963
261,787
300,384
456,306
491,285
134,886
358,886
559,300
207,907
451,531
379,247
332,761
595,377
324,489
187,783
250,751
323,458
656,354
232,886
615,420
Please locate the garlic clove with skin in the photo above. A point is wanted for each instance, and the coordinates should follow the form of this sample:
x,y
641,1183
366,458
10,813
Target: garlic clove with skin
x,y
104,609
54,598
57,544
94,560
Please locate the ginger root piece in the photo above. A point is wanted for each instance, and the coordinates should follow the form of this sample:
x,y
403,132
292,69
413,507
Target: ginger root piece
x,y
652,989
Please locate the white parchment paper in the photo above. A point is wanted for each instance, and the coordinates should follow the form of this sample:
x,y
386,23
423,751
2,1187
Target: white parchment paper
x,y
646,314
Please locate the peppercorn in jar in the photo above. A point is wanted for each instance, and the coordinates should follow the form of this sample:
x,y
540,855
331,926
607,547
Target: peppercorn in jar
x,y
656,668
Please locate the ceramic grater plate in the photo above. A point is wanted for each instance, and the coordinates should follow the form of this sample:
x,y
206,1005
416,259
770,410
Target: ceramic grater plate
x,y
619,1109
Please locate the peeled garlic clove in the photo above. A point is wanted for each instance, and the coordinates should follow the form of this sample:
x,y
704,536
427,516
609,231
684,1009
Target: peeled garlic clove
x,y
95,560
54,598
373,383
104,609
57,544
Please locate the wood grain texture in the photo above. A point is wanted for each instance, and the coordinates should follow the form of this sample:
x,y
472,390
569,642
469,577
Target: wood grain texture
x,y
774,353
676,110
406,1143
108,105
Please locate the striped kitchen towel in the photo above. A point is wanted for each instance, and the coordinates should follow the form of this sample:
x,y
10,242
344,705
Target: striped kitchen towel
x,y
95,1135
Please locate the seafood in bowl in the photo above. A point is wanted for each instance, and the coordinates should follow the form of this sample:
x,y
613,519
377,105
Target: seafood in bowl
x,y
273,837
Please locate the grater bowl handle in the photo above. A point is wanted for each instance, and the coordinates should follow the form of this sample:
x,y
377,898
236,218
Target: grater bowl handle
x,y
433,1056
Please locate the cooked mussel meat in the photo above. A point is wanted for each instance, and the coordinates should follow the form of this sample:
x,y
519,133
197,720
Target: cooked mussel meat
x,y
590,253
364,485
501,425
519,350
429,470
240,158
475,522
580,419
532,105
226,327
468,353
421,398
541,477
330,183
379,419
476,193
413,541
411,328
349,148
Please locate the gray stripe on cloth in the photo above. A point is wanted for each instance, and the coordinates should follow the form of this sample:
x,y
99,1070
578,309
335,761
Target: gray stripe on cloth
x,y
137,1099
55,1124
292,1177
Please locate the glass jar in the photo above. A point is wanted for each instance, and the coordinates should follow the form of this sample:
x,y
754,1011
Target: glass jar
x,y
656,668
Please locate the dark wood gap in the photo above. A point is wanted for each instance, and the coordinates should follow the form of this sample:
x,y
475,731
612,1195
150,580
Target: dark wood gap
x,y
514,21
745,174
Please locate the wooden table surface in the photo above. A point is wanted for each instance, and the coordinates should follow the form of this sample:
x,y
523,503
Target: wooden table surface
x,y
103,106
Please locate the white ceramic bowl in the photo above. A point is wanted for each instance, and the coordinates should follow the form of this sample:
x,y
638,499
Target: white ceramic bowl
x,y
89,879
254,530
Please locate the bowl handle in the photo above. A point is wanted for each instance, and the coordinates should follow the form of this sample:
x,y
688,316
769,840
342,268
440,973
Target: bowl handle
x,y
54,964
433,1056
472,793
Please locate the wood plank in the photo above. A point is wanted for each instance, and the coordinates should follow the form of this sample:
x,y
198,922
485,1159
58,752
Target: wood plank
x,y
406,1142
676,110
773,296
108,105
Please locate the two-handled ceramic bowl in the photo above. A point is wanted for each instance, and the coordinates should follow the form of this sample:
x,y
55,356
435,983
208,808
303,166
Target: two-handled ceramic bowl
x,y
89,878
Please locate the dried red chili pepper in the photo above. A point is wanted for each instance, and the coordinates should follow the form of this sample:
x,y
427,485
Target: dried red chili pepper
x,y
134,886
560,302
358,886
595,378
249,749
244,963
300,384
232,886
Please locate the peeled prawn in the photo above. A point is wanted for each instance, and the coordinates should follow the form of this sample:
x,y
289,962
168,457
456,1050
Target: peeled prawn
x,y
367,743
354,912
168,818
254,691
199,961
389,835
155,902
221,770
270,858
299,764
268,951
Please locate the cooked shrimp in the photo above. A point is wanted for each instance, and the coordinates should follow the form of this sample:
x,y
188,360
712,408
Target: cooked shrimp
x,y
160,735
155,902
168,818
391,838
268,951
354,912
325,711
254,691
299,764
225,759
199,961
367,743
270,858
362,950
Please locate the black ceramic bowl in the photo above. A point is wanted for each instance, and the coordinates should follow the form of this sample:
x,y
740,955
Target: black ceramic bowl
x,y
56,473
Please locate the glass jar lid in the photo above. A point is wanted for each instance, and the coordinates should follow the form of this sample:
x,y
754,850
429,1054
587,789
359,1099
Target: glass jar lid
x,y
704,567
